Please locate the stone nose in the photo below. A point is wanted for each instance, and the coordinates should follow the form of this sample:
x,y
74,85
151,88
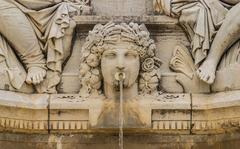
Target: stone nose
x,y
120,67
120,64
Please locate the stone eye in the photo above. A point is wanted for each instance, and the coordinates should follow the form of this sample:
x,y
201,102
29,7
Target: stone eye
x,y
131,54
110,55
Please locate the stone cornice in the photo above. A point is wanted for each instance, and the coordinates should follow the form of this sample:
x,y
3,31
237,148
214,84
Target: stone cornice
x,y
169,113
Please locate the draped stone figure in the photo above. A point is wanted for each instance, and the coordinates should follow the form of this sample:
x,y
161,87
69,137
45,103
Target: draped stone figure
x,y
212,27
39,32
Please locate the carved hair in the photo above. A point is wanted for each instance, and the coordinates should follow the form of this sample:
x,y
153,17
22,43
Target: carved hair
x,y
102,37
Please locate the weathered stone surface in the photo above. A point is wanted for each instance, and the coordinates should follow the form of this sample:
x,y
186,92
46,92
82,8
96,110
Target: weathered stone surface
x,y
23,113
68,112
121,8
110,141
146,19
143,67
215,113
171,113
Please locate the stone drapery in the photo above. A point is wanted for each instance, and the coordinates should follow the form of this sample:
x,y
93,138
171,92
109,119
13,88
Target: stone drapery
x,y
49,21
200,19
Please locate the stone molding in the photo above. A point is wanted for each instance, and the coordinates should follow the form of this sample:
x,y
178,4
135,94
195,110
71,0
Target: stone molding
x,y
171,113
146,19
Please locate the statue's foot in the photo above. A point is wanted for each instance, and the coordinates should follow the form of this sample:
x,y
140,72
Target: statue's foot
x,y
206,72
35,75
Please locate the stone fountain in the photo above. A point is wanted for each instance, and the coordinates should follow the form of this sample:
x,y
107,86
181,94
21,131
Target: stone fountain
x,y
119,74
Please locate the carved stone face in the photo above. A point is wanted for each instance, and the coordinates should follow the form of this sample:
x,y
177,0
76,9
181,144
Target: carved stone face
x,y
120,58
119,48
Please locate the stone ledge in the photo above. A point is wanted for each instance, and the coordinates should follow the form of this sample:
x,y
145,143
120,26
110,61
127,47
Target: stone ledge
x,y
217,100
171,113
20,100
153,20
216,113
172,102
23,113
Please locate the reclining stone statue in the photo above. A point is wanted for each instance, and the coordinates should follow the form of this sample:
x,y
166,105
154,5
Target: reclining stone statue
x,y
119,48
212,27
39,32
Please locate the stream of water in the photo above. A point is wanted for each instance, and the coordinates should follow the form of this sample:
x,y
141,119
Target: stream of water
x,y
121,119
120,76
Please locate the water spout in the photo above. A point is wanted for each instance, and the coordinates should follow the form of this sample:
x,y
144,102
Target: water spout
x,y
120,76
